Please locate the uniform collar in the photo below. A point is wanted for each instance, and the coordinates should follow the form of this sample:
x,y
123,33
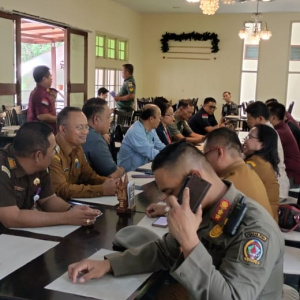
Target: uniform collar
x,y
64,146
230,169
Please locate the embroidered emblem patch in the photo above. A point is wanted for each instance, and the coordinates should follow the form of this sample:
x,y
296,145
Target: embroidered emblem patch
x,y
12,163
216,231
5,170
220,211
254,234
205,116
253,251
45,102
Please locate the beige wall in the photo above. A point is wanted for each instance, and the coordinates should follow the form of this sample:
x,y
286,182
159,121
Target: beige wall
x,y
177,79
92,15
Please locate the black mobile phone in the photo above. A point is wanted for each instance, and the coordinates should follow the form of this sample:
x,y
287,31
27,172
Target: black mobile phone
x,y
198,189
161,222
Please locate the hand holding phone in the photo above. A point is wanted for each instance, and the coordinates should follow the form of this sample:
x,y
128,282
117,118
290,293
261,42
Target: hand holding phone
x,y
198,189
113,94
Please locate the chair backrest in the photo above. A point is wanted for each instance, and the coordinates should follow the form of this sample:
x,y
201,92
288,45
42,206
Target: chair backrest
x,y
11,113
8,107
135,116
21,116
291,106
142,102
195,102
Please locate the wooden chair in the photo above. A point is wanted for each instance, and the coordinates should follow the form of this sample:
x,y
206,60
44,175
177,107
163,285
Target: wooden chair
x,y
20,116
142,102
195,102
11,113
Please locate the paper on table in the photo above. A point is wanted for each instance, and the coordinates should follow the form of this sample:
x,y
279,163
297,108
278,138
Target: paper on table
x,y
17,251
147,222
146,167
138,181
106,288
59,230
105,200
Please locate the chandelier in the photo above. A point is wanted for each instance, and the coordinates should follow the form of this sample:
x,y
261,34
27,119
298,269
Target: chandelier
x,y
258,30
209,7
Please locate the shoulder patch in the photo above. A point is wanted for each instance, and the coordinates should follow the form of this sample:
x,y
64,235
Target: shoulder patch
x,y
253,251
45,102
251,163
12,163
57,157
5,170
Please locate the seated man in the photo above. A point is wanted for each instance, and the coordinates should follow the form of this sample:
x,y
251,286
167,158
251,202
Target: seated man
x,y
95,148
258,113
209,261
141,143
289,144
180,129
71,175
222,149
204,120
25,183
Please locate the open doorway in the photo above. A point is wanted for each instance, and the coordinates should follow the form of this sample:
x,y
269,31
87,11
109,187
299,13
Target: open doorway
x,y
42,44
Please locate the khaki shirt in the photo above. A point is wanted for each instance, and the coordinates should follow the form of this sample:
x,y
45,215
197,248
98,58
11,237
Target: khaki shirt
x,y
18,188
71,175
248,182
267,175
248,265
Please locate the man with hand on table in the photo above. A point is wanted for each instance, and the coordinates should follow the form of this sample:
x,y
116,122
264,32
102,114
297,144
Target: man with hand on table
x,y
25,183
71,174
206,259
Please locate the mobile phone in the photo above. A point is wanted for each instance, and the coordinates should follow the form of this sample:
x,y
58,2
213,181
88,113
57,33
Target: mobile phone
x,y
142,176
161,222
198,189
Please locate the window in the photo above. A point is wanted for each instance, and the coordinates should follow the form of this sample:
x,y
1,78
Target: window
x,y
111,47
122,50
293,88
249,68
111,79
100,46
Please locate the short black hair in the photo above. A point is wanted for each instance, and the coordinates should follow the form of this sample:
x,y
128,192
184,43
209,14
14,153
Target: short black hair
x,y
277,109
226,92
173,153
162,103
209,99
184,103
258,109
224,137
102,90
93,106
63,115
269,138
272,100
40,72
148,111
129,68
32,137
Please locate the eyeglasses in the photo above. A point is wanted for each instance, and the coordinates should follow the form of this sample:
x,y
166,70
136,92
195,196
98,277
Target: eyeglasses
x,y
249,137
212,107
211,150
80,128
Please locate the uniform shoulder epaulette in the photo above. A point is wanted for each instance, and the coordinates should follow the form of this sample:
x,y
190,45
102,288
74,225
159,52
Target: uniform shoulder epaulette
x,y
12,163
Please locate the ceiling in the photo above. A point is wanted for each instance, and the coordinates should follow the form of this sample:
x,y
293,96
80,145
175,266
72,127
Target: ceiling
x,y
181,6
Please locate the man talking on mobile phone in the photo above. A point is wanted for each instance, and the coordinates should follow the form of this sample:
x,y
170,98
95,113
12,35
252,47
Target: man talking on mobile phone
x,y
231,248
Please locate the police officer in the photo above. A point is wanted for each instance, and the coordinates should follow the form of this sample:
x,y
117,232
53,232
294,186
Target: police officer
x,y
210,259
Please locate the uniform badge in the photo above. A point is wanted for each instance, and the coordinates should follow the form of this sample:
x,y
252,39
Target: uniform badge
x,y
76,163
12,163
36,181
205,116
18,188
251,163
5,170
220,210
45,102
216,231
253,251
56,157
257,235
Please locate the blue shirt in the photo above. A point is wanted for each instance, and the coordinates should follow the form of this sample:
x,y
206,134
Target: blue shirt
x,y
98,155
138,147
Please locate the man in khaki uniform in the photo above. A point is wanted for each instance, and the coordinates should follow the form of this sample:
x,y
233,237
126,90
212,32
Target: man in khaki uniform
x,y
71,175
222,148
207,261
27,198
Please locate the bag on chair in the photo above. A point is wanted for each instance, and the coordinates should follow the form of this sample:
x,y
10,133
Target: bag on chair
x,y
289,217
